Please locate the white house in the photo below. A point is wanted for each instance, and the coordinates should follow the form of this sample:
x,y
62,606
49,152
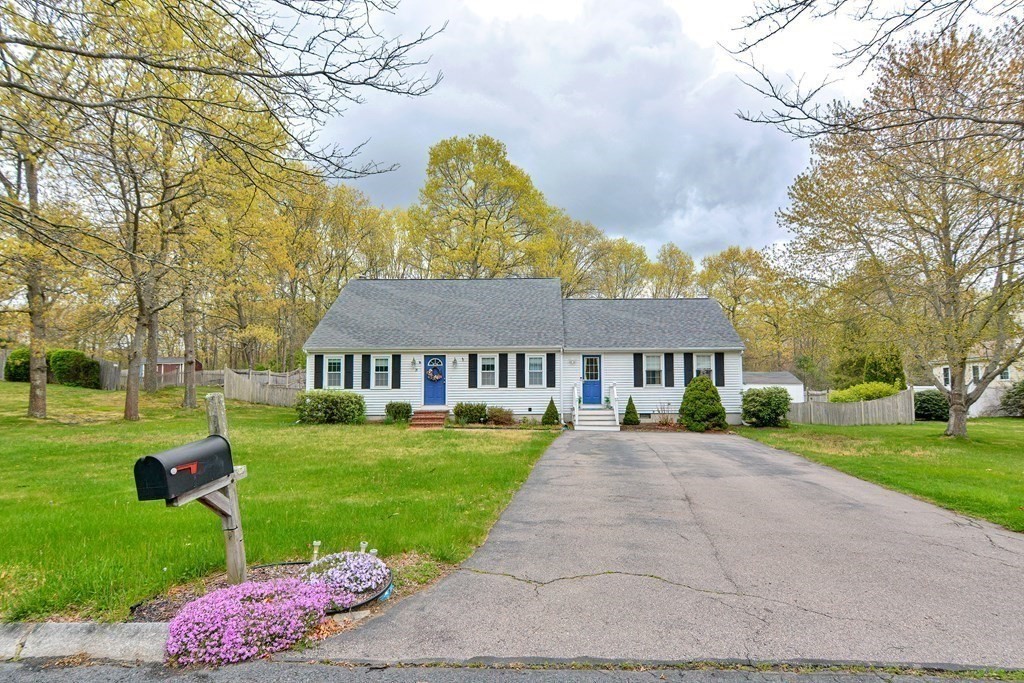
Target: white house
x,y
787,380
515,343
988,404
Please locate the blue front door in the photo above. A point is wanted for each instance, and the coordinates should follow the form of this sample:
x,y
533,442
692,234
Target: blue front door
x,y
592,380
434,377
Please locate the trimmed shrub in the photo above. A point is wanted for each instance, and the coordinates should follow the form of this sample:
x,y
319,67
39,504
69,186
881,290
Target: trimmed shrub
x,y
931,405
701,408
868,391
470,413
1012,401
16,367
766,407
500,416
322,406
399,411
551,414
73,369
630,417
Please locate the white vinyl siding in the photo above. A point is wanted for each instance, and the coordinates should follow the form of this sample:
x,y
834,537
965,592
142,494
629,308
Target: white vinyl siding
x,y
334,372
488,371
382,372
535,371
653,372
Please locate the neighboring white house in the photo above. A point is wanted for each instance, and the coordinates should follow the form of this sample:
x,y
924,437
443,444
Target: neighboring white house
x,y
787,380
515,343
988,404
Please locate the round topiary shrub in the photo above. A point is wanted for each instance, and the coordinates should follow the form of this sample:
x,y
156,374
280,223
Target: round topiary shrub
x,y
323,406
931,405
16,367
351,572
702,408
399,411
1012,401
766,407
630,417
551,414
73,369
250,620
868,391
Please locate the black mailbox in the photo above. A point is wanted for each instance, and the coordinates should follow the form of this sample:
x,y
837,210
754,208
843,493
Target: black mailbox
x,y
167,475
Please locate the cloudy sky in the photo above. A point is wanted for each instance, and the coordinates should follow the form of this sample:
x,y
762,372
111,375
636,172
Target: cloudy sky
x,y
623,113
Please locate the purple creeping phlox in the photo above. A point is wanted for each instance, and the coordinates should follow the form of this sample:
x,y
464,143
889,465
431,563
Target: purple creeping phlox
x,y
252,619
353,572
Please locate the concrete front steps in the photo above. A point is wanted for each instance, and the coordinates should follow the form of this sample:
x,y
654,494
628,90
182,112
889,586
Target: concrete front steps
x,y
596,420
428,419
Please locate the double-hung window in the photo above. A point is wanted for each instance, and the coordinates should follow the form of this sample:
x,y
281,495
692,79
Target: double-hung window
x,y
488,371
333,373
535,371
381,372
704,364
653,370
945,375
1005,374
976,373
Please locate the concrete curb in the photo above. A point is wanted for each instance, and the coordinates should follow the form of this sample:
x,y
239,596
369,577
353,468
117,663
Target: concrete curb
x,y
141,642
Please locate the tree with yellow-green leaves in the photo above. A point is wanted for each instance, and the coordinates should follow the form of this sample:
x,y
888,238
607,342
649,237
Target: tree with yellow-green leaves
x,y
570,250
672,273
922,225
622,270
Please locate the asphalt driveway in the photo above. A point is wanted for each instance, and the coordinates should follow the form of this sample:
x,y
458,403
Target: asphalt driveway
x,y
671,547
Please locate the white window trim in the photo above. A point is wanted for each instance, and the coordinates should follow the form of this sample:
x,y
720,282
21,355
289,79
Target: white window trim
x,y
327,375
480,371
696,370
946,376
373,372
661,368
1005,374
543,370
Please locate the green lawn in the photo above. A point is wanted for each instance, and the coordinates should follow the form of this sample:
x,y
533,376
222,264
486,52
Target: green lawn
x,y
981,476
75,541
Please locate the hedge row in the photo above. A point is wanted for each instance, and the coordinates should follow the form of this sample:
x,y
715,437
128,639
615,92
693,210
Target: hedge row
x,y
63,366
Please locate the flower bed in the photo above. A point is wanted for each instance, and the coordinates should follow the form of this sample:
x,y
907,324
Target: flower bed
x,y
351,572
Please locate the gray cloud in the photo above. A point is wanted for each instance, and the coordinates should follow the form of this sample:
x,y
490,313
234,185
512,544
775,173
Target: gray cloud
x,y
617,116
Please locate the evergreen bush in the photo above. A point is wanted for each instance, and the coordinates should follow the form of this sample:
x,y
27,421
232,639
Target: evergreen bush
x,y
701,408
766,407
867,391
73,369
470,413
323,406
630,417
1012,401
399,411
16,367
931,405
551,414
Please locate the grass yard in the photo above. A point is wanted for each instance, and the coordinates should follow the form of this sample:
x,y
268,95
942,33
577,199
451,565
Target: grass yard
x,y
982,476
77,543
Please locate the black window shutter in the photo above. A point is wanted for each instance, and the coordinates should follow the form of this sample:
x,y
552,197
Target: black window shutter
x,y
687,368
719,369
551,370
503,370
318,371
520,370
472,371
396,371
638,369
366,371
670,369
349,370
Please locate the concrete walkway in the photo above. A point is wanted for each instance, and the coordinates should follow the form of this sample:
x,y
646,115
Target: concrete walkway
x,y
671,547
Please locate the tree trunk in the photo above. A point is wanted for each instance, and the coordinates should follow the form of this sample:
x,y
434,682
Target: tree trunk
x,y
957,425
131,398
37,346
188,323
152,379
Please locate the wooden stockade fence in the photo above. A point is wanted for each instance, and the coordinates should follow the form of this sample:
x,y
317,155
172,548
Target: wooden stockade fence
x,y
238,386
204,378
3,362
898,409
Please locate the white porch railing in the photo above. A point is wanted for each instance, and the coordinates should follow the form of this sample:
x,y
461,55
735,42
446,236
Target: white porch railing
x,y
613,394
575,404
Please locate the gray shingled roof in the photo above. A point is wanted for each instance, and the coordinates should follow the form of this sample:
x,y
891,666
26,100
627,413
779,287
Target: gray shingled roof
x,y
655,324
770,378
442,314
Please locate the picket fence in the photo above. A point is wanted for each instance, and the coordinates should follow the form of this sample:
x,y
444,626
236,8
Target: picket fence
x,y
239,386
898,409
